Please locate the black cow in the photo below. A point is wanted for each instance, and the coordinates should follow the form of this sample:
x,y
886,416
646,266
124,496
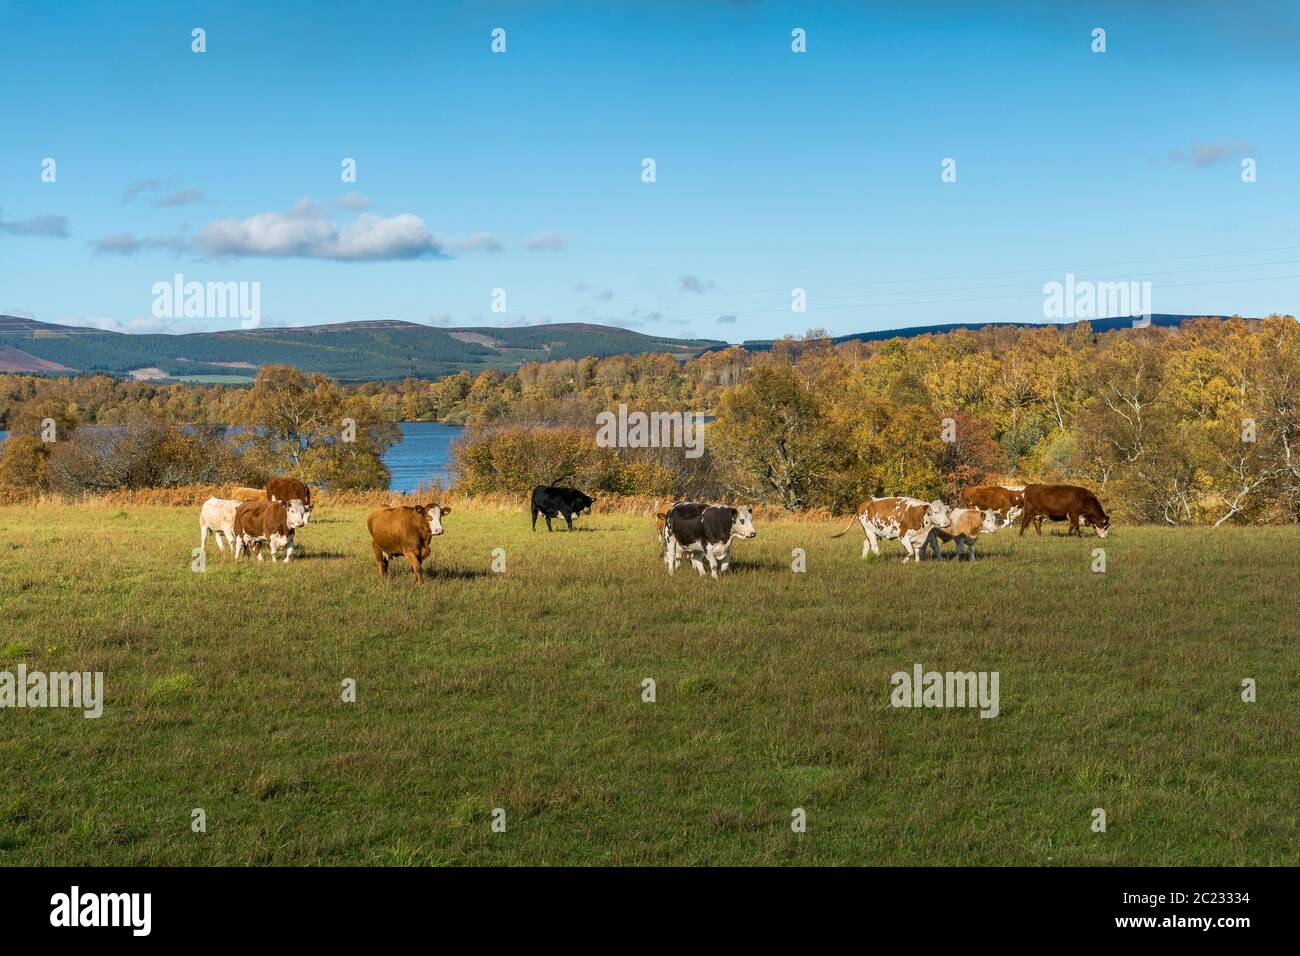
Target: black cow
x,y
566,503
704,533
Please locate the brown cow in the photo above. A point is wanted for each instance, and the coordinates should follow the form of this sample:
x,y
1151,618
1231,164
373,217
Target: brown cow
x,y
906,519
248,494
404,530
1064,503
271,521
289,489
1007,500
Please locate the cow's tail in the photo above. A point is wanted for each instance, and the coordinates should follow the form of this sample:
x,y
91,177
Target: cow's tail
x,y
841,534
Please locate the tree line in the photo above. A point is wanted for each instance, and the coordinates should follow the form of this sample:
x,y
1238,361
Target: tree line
x,y
1195,424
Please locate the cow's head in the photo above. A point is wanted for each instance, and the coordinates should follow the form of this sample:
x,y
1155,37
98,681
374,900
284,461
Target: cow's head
x,y
585,503
433,514
936,512
306,510
296,513
1015,511
742,526
992,522
1100,521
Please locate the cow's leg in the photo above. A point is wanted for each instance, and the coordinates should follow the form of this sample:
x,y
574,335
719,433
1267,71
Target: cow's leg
x,y
906,541
534,508
381,559
547,515
1038,524
870,545
229,536
1074,524
932,542
203,536
697,562
713,562
414,558
1025,518
288,553
568,520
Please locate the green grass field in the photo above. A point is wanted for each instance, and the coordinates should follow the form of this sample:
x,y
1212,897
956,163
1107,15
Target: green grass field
x,y
522,690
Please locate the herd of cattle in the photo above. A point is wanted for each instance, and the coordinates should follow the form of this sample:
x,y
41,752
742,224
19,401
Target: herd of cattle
x,y
701,533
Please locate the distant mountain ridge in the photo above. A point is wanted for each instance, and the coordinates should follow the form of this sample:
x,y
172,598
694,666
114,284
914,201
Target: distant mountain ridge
x,y
374,349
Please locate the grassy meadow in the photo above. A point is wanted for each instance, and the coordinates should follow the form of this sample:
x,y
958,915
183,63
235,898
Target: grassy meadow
x,y
522,690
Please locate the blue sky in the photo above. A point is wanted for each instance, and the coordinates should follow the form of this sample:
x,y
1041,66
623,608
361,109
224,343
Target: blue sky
x,y
522,170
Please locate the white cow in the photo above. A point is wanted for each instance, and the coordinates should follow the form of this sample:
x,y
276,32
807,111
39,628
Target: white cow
x,y
218,516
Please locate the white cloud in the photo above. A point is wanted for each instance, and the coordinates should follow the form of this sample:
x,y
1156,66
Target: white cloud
x,y
125,244
107,324
695,284
52,227
1208,154
183,198
546,242
356,202
307,232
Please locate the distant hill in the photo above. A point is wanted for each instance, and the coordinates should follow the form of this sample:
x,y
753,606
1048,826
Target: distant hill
x,y
1162,320
375,350
350,351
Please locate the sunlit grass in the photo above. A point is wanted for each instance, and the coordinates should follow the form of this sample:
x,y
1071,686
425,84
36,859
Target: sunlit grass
x,y
523,691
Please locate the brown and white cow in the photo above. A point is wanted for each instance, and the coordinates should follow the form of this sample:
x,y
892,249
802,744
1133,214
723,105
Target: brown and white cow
x,y
289,489
1063,503
909,520
1007,500
270,521
218,516
405,530
965,526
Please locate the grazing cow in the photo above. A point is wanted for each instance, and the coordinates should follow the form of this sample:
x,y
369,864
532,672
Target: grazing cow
x,y
553,502
965,526
907,519
405,530
218,516
289,489
1007,500
1063,503
248,494
270,521
669,549
704,533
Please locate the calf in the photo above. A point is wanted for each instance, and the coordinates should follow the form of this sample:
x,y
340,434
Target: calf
x,y
1007,500
218,516
289,489
704,533
566,503
965,526
270,521
1063,503
907,519
405,530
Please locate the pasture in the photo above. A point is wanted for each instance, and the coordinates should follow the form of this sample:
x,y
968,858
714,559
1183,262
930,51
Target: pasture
x,y
522,690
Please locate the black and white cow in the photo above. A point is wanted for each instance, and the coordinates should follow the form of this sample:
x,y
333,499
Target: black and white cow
x,y
704,534
566,503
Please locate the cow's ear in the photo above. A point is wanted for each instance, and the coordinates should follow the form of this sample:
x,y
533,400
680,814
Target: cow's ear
x,y
446,511
420,508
